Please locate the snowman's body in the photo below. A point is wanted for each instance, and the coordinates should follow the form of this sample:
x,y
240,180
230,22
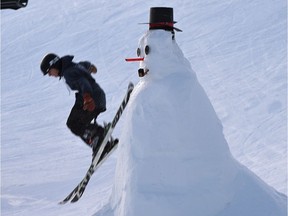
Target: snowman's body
x,y
173,156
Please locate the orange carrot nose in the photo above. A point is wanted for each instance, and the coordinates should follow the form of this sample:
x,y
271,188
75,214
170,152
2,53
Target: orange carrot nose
x,y
134,59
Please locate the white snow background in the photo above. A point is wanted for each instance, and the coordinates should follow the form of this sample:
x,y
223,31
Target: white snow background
x,y
237,49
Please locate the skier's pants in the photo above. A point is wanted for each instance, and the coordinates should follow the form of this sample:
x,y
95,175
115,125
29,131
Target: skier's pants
x,y
79,120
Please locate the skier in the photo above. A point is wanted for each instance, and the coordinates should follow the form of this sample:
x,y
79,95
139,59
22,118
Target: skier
x,y
90,98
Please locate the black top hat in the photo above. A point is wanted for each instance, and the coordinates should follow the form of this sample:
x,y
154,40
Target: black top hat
x,y
162,18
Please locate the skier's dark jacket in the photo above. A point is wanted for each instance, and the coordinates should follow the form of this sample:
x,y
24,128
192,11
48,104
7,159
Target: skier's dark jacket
x,y
79,78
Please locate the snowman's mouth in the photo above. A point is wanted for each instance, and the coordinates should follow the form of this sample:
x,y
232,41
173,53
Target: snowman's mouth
x,y
142,72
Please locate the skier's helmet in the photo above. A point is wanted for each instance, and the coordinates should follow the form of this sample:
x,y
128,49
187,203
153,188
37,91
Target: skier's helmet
x,y
48,62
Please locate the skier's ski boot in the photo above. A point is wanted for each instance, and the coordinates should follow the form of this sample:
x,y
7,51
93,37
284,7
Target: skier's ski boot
x,y
92,135
98,139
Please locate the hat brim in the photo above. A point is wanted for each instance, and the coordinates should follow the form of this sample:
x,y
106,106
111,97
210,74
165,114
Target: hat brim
x,y
177,29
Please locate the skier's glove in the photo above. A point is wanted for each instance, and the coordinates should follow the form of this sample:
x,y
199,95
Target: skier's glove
x,y
92,69
88,102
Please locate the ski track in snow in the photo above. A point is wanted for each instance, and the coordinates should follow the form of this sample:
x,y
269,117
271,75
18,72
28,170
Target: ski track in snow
x,y
238,50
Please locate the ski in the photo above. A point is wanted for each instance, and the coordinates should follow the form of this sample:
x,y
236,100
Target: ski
x,y
97,160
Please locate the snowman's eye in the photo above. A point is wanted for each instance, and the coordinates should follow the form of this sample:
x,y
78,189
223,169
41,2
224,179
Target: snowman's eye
x,y
138,52
147,50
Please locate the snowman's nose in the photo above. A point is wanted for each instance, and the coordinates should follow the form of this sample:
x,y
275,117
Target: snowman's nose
x,y
134,59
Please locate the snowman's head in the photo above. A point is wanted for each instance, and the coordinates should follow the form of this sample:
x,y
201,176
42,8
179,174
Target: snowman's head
x,y
157,48
160,53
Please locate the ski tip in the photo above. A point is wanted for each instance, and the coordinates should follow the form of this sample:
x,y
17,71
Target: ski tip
x,y
61,203
131,85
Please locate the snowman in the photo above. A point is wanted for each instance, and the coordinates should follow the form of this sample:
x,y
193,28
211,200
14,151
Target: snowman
x,y
160,19
173,157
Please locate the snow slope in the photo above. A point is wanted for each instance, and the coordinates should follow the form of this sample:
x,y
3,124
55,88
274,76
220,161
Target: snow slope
x,y
237,48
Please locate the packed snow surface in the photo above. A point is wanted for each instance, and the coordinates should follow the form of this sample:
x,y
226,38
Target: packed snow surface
x,y
236,48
